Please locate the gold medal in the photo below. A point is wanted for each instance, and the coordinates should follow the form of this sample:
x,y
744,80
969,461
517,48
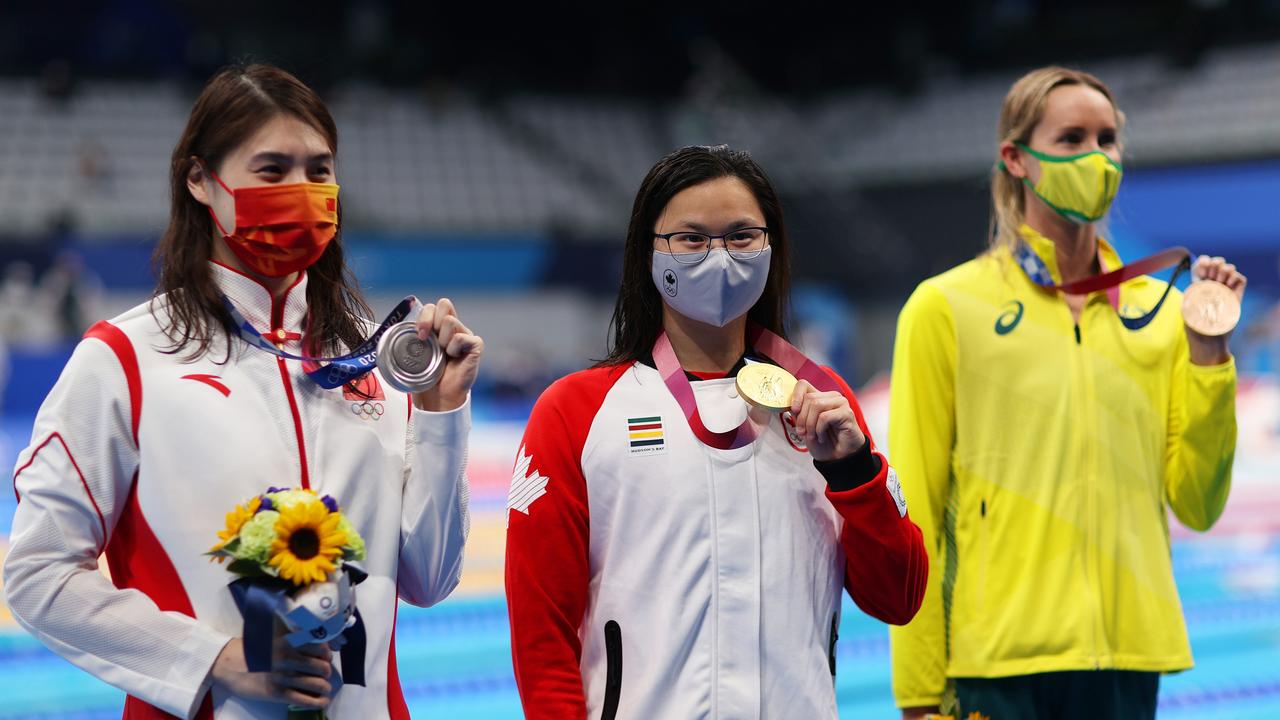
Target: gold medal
x,y
1210,308
766,386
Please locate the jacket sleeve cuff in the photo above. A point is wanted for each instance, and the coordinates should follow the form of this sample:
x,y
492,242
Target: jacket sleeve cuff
x,y
918,701
199,652
1224,371
442,428
850,472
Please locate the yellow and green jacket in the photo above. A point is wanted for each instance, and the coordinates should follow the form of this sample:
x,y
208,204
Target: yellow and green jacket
x,y
1039,457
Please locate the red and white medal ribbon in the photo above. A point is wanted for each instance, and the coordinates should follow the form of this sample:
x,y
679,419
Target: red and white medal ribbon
x,y
762,341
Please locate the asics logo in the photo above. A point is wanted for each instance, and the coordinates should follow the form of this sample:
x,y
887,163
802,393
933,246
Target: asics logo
x,y
1007,320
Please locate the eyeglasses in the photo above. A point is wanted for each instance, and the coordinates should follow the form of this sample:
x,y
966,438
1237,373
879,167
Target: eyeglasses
x,y
691,248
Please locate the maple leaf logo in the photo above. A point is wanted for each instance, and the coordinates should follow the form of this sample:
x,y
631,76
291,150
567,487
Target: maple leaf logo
x,y
526,485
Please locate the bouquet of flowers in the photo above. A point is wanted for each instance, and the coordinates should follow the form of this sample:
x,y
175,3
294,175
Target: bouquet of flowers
x,y
295,555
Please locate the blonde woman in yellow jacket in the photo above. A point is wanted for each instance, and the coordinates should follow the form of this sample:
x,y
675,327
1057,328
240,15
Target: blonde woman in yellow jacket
x,y
1040,441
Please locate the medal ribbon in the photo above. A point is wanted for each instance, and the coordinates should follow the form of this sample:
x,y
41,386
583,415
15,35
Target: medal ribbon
x,y
328,373
1109,281
762,341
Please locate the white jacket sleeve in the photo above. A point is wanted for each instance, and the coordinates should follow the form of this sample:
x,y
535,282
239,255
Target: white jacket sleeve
x,y
73,483
434,516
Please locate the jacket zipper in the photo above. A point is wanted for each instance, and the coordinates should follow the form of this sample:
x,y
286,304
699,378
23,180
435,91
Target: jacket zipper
x,y
613,669
831,644
1091,472
1082,395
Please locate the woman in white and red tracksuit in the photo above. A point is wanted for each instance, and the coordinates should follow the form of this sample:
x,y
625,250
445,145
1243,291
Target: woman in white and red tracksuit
x,y
664,562
165,418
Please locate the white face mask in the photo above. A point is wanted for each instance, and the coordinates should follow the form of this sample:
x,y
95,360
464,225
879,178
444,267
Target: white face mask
x,y
716,290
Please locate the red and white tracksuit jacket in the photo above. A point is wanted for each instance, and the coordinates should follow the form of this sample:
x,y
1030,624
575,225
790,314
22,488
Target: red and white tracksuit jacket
x,y
139,455
652,577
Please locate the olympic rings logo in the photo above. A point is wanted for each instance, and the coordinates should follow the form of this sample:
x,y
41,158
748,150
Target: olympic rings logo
x,y
368,410
339,373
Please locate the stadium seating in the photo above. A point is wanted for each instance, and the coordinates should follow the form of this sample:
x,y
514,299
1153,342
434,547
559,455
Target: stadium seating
x,y
99,158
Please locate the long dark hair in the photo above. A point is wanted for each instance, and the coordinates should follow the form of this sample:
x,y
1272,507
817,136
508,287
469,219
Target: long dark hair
x,y
637,316
234,104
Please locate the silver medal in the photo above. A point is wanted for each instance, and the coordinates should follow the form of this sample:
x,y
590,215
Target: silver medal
x,y
407,363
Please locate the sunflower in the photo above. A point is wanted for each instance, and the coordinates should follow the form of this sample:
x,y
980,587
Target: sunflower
x,y
307,542
236,520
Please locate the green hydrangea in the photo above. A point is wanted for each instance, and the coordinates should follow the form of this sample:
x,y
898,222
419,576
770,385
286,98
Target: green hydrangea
x,y
257,535
355,544
285,498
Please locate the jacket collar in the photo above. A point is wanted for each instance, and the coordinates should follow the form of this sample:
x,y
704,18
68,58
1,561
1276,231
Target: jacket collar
x,y
254,300
647,359
1108,258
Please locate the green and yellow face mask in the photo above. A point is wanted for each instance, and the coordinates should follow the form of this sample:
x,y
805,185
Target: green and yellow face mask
x,y
1079,187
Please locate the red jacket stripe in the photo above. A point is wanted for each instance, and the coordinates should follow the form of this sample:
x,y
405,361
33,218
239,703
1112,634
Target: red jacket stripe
x,y
57,436
120,345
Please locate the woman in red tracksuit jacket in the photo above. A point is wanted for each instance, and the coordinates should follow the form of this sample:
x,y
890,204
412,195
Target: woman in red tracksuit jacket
x,y
671,553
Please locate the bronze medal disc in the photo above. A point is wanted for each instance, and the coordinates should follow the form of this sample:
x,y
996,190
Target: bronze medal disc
x,y
1210,308
766,386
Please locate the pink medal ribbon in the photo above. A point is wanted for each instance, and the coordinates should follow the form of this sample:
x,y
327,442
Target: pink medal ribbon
x,y
762,341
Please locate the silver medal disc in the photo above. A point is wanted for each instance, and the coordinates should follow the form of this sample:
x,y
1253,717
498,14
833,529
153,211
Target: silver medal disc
x,y
407,363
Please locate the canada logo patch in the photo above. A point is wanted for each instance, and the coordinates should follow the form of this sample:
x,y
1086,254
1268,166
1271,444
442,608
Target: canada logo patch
x,y
792,434
646,436
670,284
527,485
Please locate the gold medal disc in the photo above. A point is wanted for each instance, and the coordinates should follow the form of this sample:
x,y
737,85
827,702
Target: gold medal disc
x,y
766,386
1210,308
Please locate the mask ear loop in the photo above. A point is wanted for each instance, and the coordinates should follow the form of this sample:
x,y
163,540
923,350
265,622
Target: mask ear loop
x,y
230,192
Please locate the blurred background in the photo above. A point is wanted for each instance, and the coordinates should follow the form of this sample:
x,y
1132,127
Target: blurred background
x,y
491,154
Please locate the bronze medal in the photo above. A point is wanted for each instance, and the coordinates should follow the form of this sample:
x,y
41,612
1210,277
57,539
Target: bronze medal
x,y
1210,308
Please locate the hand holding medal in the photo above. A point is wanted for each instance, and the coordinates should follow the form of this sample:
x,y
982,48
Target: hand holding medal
x,y
826,422
441,366
824,419
1211,308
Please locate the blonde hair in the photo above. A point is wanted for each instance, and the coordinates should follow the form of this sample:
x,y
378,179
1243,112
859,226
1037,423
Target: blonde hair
x,y
1022,110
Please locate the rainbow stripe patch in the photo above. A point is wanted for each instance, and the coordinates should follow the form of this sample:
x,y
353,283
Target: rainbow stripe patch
x,y
645,434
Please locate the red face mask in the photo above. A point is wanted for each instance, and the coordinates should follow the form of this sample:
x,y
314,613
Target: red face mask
x,y
281,229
